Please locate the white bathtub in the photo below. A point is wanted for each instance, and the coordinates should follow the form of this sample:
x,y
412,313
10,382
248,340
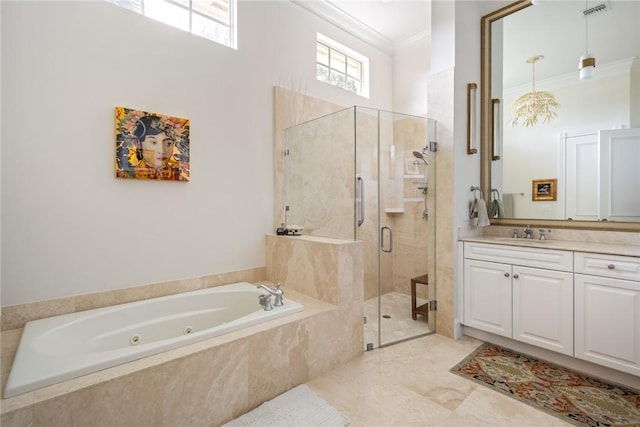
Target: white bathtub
x,y
63,347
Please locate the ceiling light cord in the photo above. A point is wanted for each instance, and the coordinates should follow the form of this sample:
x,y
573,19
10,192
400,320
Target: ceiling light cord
x,y
586,28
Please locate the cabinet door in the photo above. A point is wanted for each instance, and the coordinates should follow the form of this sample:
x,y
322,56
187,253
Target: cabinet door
x,y
487,296
543,308
607,322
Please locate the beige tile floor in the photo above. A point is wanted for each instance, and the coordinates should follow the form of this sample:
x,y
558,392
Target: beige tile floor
x,y
409,384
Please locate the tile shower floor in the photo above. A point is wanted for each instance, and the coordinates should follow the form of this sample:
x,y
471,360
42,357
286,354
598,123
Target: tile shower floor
x,y
397,324
409,384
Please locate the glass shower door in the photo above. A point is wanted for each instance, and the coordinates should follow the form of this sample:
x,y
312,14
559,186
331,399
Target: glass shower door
x,y
405,291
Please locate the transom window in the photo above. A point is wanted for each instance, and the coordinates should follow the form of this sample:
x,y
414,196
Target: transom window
x,y
340,66
211,19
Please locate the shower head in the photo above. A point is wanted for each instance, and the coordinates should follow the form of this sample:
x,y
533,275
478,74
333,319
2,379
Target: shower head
x,y
420,156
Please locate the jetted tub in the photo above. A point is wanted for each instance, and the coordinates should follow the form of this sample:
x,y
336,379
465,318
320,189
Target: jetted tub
x,y
68,346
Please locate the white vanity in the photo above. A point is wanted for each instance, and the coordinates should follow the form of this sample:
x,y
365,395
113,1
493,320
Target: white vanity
x,y
578,299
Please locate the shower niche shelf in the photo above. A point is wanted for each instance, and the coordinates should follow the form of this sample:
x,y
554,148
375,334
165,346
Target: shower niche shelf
x,y
394,210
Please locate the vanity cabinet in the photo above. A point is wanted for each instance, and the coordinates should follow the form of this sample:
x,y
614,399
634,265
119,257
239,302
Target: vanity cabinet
x,y
607,306
487,296
582,304
520,293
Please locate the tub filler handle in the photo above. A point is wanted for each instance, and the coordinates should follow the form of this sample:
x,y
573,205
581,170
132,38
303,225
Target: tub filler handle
x,y
277,293
265,300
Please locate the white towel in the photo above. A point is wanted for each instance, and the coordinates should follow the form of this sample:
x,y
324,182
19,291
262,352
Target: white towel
x,y
483,216
500,209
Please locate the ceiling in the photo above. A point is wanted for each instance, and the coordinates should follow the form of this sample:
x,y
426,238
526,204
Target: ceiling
x,y
385,24
397,20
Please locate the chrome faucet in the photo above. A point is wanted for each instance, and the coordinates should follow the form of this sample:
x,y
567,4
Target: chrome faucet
x,y
515,233
543,234
527,232
277,293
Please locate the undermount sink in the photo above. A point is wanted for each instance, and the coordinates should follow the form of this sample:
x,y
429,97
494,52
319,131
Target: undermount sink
x,y
519,240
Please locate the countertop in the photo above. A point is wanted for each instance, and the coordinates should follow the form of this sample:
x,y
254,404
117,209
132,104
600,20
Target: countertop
x,y
566,245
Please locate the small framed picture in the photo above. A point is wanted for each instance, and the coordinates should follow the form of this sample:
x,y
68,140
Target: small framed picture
x,y
544,190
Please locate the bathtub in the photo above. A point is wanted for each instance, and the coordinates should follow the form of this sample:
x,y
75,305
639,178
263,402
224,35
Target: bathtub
x,y
59,348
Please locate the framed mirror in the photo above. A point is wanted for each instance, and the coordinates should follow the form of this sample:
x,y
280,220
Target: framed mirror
x,y
588,154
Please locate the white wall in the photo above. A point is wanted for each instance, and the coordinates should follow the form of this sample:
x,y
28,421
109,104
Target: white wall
x,y
68,226
410,74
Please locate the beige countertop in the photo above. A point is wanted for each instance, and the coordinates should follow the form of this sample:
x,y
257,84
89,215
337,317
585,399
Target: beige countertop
x,y
567,245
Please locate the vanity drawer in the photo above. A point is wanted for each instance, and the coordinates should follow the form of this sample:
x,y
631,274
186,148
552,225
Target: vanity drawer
x,y
615,266
551,259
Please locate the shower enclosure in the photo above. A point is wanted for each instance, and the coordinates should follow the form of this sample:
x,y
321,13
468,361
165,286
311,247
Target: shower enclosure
x,y
365,174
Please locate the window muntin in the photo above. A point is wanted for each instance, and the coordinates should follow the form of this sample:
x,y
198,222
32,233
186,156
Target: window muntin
x,y
340,66
212,19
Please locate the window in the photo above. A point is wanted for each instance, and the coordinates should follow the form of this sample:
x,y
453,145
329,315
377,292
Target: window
x,y
212,19
340,66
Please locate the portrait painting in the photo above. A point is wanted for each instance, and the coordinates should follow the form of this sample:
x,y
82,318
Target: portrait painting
x,y
544,190
151,146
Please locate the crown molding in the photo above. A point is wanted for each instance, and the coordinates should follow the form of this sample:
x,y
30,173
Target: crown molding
x,y
334,15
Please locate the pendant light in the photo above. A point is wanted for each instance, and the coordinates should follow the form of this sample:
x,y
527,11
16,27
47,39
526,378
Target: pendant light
x,y
534,106
587,64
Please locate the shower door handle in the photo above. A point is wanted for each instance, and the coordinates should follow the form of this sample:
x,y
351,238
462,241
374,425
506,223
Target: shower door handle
x,y
361,181
382,239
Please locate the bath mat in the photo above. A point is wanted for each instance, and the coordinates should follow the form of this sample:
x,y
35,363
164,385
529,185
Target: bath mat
x,y
298,407
576,398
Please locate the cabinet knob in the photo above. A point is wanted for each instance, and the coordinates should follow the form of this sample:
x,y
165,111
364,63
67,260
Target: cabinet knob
x,y
506,274
611,266
515,276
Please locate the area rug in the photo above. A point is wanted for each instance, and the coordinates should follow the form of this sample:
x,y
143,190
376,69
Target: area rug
x,y
571,396
298,407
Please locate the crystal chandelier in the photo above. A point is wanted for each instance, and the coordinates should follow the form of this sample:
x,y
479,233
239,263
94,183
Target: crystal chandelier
x,y
534,106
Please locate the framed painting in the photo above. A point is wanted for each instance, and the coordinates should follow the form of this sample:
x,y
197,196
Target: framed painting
x,y
544,190
151,146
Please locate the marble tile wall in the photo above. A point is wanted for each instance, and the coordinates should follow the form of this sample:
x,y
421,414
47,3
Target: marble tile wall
x,y
333,271
440,102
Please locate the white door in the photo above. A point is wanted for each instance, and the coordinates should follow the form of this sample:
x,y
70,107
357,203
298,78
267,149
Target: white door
x,y
487,296
607,326
620,175
582,177
543,308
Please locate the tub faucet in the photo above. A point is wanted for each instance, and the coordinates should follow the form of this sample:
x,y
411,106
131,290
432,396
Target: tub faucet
x,y
277,293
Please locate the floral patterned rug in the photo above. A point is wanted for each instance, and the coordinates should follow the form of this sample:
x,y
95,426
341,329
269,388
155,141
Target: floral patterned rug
x,y
571,396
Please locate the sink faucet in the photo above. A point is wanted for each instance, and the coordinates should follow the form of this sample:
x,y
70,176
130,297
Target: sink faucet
x,y
277,293
543,234
515,233
527,232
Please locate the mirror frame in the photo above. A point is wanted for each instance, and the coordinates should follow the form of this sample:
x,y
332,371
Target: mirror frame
x,y
486,137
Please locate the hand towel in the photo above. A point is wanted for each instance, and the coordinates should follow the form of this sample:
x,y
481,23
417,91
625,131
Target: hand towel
x,y
473,209
500,209
483,217
493,211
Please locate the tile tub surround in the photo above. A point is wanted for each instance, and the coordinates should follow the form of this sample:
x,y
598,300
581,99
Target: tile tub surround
x,y
16,316
212,381
331,270
205,383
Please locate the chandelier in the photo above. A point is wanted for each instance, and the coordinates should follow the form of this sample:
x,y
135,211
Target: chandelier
x,y
534,106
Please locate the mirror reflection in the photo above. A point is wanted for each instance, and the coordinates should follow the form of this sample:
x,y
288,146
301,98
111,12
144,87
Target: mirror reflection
x,y
590,150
